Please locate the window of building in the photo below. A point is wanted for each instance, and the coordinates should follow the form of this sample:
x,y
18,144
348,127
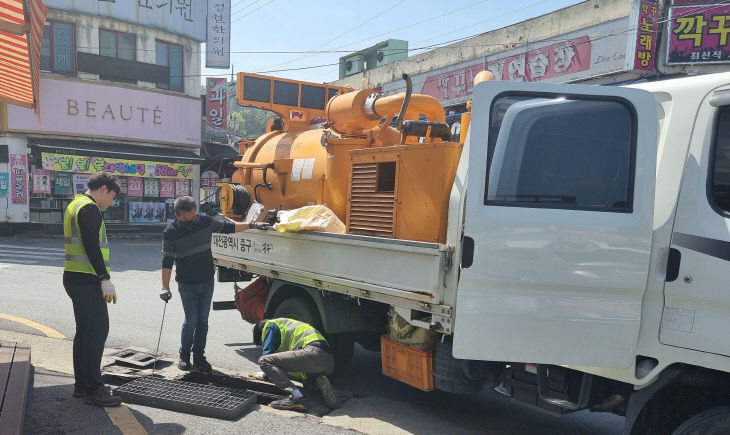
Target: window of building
x,y
170,55
720,183
561,153
58,48
117,44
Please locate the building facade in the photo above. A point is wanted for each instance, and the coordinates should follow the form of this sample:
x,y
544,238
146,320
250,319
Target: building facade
x,y
119,92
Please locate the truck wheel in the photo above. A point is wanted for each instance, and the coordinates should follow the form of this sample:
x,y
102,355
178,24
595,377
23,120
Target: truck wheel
x,y
301,309
713,421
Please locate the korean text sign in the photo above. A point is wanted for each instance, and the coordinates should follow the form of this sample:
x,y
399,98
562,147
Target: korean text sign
x,y
646,35
218,43
699,34
216,103
4,183
18,178
114,166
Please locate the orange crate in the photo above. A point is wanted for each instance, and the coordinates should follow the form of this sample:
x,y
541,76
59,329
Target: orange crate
x,y
408,365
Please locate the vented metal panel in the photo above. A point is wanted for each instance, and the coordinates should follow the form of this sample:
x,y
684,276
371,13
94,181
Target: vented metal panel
x,y
371,212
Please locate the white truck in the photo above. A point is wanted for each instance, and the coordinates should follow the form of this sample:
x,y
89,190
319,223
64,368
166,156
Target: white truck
x,y
586,262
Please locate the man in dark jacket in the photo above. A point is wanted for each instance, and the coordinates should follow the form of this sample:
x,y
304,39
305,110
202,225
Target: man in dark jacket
x,y
186,244
88,284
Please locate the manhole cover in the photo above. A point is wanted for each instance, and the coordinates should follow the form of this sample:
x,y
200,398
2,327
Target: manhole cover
x,y
135,356
188,397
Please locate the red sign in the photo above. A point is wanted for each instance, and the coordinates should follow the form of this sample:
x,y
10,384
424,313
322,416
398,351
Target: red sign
x,y
452,84
209,179
215,103
167,188
135,186
555,60
646,35
182,188
699,34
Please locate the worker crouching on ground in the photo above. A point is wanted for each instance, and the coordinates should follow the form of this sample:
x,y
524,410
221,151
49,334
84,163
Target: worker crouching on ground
x,y
295,349
186,244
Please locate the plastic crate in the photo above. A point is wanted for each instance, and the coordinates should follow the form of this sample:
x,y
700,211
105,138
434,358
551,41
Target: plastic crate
x,y
408,365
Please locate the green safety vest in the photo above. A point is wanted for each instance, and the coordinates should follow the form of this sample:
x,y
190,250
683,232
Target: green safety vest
x,y
294,335
76,258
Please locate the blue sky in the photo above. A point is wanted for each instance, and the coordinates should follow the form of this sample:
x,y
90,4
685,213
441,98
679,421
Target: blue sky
x,y
278,26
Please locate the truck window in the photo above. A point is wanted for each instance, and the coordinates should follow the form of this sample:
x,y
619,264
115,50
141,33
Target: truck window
x,y
556,152
720,182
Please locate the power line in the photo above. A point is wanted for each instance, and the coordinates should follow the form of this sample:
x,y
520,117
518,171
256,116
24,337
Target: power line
x,y
244,7
245,15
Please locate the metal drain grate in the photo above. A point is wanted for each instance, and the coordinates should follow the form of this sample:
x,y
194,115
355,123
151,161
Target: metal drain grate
x,y
188,397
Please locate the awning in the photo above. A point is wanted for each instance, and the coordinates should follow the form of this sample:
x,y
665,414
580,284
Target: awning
x,y
115,150
19,59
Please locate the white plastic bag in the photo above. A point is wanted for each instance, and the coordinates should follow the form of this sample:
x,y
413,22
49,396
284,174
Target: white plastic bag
x,y
309,218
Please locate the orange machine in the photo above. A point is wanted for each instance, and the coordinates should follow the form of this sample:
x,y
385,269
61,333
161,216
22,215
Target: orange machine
x,y
380,180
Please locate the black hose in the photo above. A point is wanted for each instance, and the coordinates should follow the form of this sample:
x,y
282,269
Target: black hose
x,y
241,199
265,184
404,106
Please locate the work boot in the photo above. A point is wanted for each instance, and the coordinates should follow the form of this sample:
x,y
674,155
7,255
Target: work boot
x,y
329,395
79,392
184,362
201,364
103,397
291,403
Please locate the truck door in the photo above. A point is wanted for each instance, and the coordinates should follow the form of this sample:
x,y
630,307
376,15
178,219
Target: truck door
x,y
558,224
696,302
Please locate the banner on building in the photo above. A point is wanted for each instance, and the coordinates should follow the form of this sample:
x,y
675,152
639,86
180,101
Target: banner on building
x,y
135,186
151,187
699,34
646,32
122,181
147,212
80,183
19,178
114,166
4,184
41,181
62,183
182,188
215,103
218,42
167,188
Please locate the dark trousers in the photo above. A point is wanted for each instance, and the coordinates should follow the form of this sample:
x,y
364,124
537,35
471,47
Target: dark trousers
x,y
310,360
196,300
92,328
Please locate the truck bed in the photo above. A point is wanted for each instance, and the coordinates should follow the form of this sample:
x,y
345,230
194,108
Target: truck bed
x,y
398,272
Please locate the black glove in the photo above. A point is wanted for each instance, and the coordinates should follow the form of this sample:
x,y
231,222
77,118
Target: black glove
x,y
259,225
165,294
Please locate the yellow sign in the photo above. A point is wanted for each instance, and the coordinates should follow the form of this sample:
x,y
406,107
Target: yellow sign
x,y
114,166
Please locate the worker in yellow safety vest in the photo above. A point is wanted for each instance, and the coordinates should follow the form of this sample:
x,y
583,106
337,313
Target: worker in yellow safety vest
x,y
86,278
293,349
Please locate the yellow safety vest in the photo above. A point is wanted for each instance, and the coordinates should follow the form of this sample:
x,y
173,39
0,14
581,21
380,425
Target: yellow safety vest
x,y
76,258
294,335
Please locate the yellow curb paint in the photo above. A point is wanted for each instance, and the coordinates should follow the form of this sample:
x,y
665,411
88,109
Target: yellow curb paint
x,y
123,418
47,330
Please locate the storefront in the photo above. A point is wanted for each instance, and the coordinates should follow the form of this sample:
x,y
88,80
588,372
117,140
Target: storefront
x,y
148,139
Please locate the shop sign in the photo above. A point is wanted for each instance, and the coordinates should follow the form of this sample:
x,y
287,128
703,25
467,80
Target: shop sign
x,y
80,183
41,181
135,186
209,179
151,187
114,166
19,171
181,17
62,184
646,35
146,212
104,111
215,103
167,188
699,34
218,43
122,181
182,188
4,183
454,83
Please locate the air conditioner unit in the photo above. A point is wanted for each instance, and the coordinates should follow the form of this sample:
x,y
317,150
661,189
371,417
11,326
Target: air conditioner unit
x,y
382,57
354,64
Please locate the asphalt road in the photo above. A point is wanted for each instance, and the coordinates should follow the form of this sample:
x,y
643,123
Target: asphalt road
x,y
30,287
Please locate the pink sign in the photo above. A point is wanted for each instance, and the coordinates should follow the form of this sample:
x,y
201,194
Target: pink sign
x,y
41,181
18,177
646,35
216,102
99,110
452,84
135,186
699,34
209,179
182,188
167,188
562,58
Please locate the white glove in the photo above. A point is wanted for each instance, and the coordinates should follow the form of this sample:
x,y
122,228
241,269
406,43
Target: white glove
x,y
108,292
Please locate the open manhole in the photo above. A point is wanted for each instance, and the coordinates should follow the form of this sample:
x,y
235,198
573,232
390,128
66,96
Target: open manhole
x,y
135,356
188,397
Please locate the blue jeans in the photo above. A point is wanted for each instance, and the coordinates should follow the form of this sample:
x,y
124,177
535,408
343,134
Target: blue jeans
x,y
196,300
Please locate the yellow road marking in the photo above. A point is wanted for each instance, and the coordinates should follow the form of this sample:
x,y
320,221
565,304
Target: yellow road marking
x,y
123,418
50,332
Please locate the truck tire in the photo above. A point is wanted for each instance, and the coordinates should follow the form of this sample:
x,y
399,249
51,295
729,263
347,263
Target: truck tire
x,y
712,421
